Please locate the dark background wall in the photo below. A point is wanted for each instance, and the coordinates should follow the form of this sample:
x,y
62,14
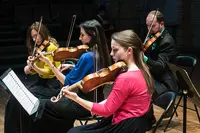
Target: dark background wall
x,y
181,19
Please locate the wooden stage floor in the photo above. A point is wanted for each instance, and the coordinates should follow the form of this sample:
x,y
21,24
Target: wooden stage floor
x,y
193,125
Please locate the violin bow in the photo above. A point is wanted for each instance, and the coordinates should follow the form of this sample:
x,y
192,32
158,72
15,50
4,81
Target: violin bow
x,y
37,35
150,27
70,32
96,58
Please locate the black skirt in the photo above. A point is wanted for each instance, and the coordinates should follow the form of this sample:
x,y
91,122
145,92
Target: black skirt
x,y
131,125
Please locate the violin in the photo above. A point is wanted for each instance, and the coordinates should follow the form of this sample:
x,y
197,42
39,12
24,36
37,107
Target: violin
x,y
42,47
64,53
95,80
151,41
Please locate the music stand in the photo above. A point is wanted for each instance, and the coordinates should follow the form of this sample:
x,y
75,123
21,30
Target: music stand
x,y
188,89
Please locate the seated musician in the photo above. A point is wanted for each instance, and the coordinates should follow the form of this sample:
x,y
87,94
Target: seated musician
x,y
125,108
45,84
158,54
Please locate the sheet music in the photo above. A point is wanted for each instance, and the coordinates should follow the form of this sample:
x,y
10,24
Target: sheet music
x,y
28,101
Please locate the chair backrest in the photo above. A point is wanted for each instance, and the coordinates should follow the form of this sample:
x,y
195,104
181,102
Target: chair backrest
x,y
187,62
186,84
168,97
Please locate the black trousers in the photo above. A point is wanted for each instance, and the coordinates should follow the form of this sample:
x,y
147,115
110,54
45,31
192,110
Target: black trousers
x,y
59,117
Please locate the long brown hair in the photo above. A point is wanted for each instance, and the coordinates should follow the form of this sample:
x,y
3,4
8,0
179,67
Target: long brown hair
x,y
128,38
94,29
44,32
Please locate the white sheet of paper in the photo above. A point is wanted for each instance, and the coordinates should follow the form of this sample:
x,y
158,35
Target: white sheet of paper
x,y
28,101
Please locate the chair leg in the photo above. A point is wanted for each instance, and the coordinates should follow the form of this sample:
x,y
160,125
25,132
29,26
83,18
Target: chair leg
x,y
86,122
161,118
81,122
197,112
173,114
178,104
157,124
184,112
175,111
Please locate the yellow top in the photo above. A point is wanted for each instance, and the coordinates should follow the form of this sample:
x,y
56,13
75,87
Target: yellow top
x,y
48,73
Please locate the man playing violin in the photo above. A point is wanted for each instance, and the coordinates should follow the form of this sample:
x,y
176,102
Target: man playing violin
x,y
45,84
158,54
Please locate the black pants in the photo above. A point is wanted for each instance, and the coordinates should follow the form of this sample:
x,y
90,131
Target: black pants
x,y
59,117
16,119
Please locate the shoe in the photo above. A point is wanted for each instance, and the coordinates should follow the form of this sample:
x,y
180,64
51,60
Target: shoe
x,y
151,122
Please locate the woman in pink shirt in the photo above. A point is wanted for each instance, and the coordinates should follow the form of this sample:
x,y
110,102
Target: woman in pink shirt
x,y
124,109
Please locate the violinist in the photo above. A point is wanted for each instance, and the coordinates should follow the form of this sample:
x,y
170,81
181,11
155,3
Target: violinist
x,y
158,54
44,84
124,109
45,43
60,116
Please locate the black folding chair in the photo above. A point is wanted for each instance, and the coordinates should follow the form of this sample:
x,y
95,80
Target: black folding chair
x,y
188,63
169,98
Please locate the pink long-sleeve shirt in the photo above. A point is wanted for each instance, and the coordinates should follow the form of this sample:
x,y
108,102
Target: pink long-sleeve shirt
x,y
129,98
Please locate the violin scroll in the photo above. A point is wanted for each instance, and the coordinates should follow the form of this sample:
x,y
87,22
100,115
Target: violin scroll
x,y
32,58
60,95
